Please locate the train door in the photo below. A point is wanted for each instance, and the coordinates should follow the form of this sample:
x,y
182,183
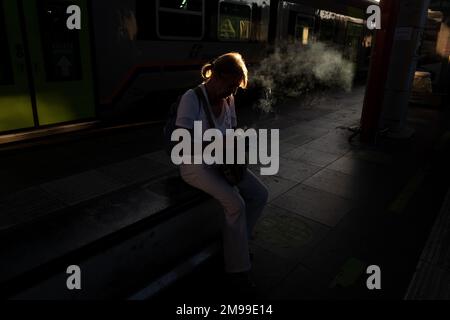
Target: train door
x,y
60,61
45,70
16,110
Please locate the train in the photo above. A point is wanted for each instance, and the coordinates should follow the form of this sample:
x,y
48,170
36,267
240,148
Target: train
x,y
129,55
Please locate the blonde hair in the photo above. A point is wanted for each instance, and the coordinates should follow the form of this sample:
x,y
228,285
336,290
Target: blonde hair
x,y
228,64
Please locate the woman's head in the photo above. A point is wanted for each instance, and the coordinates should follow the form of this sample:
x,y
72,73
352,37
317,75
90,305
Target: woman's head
x,y
227,73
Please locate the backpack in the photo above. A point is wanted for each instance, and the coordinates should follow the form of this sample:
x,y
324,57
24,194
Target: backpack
x,y
170,126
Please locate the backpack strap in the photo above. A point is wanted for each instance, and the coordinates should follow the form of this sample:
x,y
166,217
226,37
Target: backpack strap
x,y
202,99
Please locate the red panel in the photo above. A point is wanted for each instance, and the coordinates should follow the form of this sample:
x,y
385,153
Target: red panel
x,y
379,66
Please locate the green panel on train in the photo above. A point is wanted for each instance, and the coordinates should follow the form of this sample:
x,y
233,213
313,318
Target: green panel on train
x,y
15,104
61,62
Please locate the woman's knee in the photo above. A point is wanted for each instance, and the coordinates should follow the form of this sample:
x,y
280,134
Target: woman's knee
x,y
234,207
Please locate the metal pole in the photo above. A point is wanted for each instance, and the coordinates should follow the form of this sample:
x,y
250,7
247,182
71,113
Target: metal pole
x,y
403,62
378,72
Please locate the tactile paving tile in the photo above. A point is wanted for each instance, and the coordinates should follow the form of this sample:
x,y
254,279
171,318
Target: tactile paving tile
x,y
25,206
432,277
82,187
135,170
437,250
429,283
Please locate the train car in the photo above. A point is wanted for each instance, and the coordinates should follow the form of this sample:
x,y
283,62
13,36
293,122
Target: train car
x,y
343,27
160,45
144,48
128,53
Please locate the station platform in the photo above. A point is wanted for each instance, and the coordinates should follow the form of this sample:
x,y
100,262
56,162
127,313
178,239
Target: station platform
x,y
336,207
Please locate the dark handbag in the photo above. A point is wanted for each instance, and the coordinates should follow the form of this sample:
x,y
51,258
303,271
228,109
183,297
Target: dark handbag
x,y
233,173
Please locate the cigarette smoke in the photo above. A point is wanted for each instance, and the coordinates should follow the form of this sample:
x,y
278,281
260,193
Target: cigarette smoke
x,y
293,70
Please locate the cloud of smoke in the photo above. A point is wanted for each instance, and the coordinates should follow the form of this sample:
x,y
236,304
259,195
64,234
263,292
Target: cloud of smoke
x,y
293,70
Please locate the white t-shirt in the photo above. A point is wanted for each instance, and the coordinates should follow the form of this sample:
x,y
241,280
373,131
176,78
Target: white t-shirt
x,y
190,110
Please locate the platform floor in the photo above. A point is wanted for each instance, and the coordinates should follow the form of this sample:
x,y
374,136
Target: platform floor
x,y
335,208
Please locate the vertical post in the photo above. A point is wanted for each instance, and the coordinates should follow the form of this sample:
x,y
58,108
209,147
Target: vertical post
x,y
443,50
405,55
392,68
378,72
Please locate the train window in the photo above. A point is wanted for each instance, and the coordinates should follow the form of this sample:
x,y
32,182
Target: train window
x,y
261,18
300,27
61,46
6,74
327,29
180,19
354,30
234,21
304,29
353,39
341,28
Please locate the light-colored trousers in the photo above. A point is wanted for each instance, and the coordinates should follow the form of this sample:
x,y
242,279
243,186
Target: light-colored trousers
x,y
243,205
